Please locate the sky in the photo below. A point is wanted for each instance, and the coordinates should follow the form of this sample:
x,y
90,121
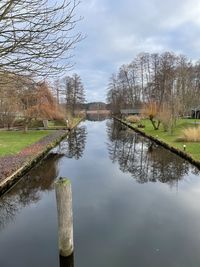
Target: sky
x,y
117,30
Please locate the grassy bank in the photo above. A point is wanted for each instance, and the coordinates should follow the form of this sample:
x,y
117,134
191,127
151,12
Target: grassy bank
x,y
23,151
12,142
192,148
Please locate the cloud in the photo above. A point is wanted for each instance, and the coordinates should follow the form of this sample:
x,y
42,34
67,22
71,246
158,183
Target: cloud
x,y
118,30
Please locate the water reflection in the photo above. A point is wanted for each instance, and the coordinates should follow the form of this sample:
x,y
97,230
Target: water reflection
x,y
67,261
146,161
117,221
73,147
97,116
41,177
29,189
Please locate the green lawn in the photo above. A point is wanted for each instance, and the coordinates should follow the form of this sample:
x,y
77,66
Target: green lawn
x,y
192,148
12,142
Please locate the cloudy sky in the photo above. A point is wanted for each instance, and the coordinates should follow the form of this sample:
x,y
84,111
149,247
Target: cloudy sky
x,y
117,30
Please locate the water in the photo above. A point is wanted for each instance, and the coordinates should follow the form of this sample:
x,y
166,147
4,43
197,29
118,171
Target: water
x,y
135,204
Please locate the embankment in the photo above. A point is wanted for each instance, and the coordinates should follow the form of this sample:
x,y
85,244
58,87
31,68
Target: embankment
x,y
175,150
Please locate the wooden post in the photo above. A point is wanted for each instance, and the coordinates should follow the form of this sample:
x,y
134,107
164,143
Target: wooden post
x,y
65,217
45,123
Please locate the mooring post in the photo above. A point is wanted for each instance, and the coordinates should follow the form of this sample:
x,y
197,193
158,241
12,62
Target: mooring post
x,y
65,217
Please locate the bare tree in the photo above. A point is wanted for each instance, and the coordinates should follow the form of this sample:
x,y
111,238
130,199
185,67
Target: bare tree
x,y
115,96
171,82
37,35
74,93
9,106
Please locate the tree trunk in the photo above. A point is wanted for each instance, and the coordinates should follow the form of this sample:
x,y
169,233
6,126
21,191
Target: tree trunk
x,y
156,127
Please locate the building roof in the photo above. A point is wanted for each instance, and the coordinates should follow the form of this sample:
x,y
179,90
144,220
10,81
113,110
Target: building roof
x,y
196,108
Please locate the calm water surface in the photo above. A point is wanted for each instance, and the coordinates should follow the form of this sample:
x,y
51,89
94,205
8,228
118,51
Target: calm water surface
x,y
135,204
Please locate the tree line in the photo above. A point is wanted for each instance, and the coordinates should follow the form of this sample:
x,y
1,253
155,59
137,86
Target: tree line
x,y
23,99
164,82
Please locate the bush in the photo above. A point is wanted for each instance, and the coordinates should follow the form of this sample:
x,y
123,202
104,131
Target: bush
x,y
59,123
36,124
133,119
19,123
165,118
191,134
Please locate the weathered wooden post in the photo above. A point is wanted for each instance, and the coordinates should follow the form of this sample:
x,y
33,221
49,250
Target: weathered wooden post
x,y
65,217
45,123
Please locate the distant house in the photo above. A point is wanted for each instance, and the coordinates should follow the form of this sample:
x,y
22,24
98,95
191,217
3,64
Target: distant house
x,y
196,113
133,111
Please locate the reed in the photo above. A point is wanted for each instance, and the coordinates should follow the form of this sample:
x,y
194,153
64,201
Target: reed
x,y
191,134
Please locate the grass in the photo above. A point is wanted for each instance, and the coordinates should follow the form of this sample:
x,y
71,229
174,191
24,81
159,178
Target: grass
x,y
192,148
12,142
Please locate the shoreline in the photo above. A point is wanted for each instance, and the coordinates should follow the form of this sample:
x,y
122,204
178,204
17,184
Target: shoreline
x,y
8,182
173,149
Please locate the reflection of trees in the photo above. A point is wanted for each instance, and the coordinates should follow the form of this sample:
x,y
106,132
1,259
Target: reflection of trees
x,y
146,161
74,145
29,188
97,116
8,209
166,166
67,261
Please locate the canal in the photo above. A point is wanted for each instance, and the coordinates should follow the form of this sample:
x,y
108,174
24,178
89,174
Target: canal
x,y
134,204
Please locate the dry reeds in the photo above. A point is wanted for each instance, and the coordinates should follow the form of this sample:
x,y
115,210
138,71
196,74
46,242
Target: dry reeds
x,y
133,119
191,134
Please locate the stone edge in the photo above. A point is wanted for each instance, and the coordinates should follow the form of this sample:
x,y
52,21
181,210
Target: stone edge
x,y
165,145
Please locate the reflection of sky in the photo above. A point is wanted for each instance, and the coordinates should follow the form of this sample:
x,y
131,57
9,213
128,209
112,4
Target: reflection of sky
x,y
30,235
118,30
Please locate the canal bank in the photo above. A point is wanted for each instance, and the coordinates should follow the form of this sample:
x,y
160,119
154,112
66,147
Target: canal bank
x,y
15,166
175,150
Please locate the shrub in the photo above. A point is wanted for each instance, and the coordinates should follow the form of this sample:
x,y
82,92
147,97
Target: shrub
x,y
191,134
133,119
59,123
36,124
165,118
